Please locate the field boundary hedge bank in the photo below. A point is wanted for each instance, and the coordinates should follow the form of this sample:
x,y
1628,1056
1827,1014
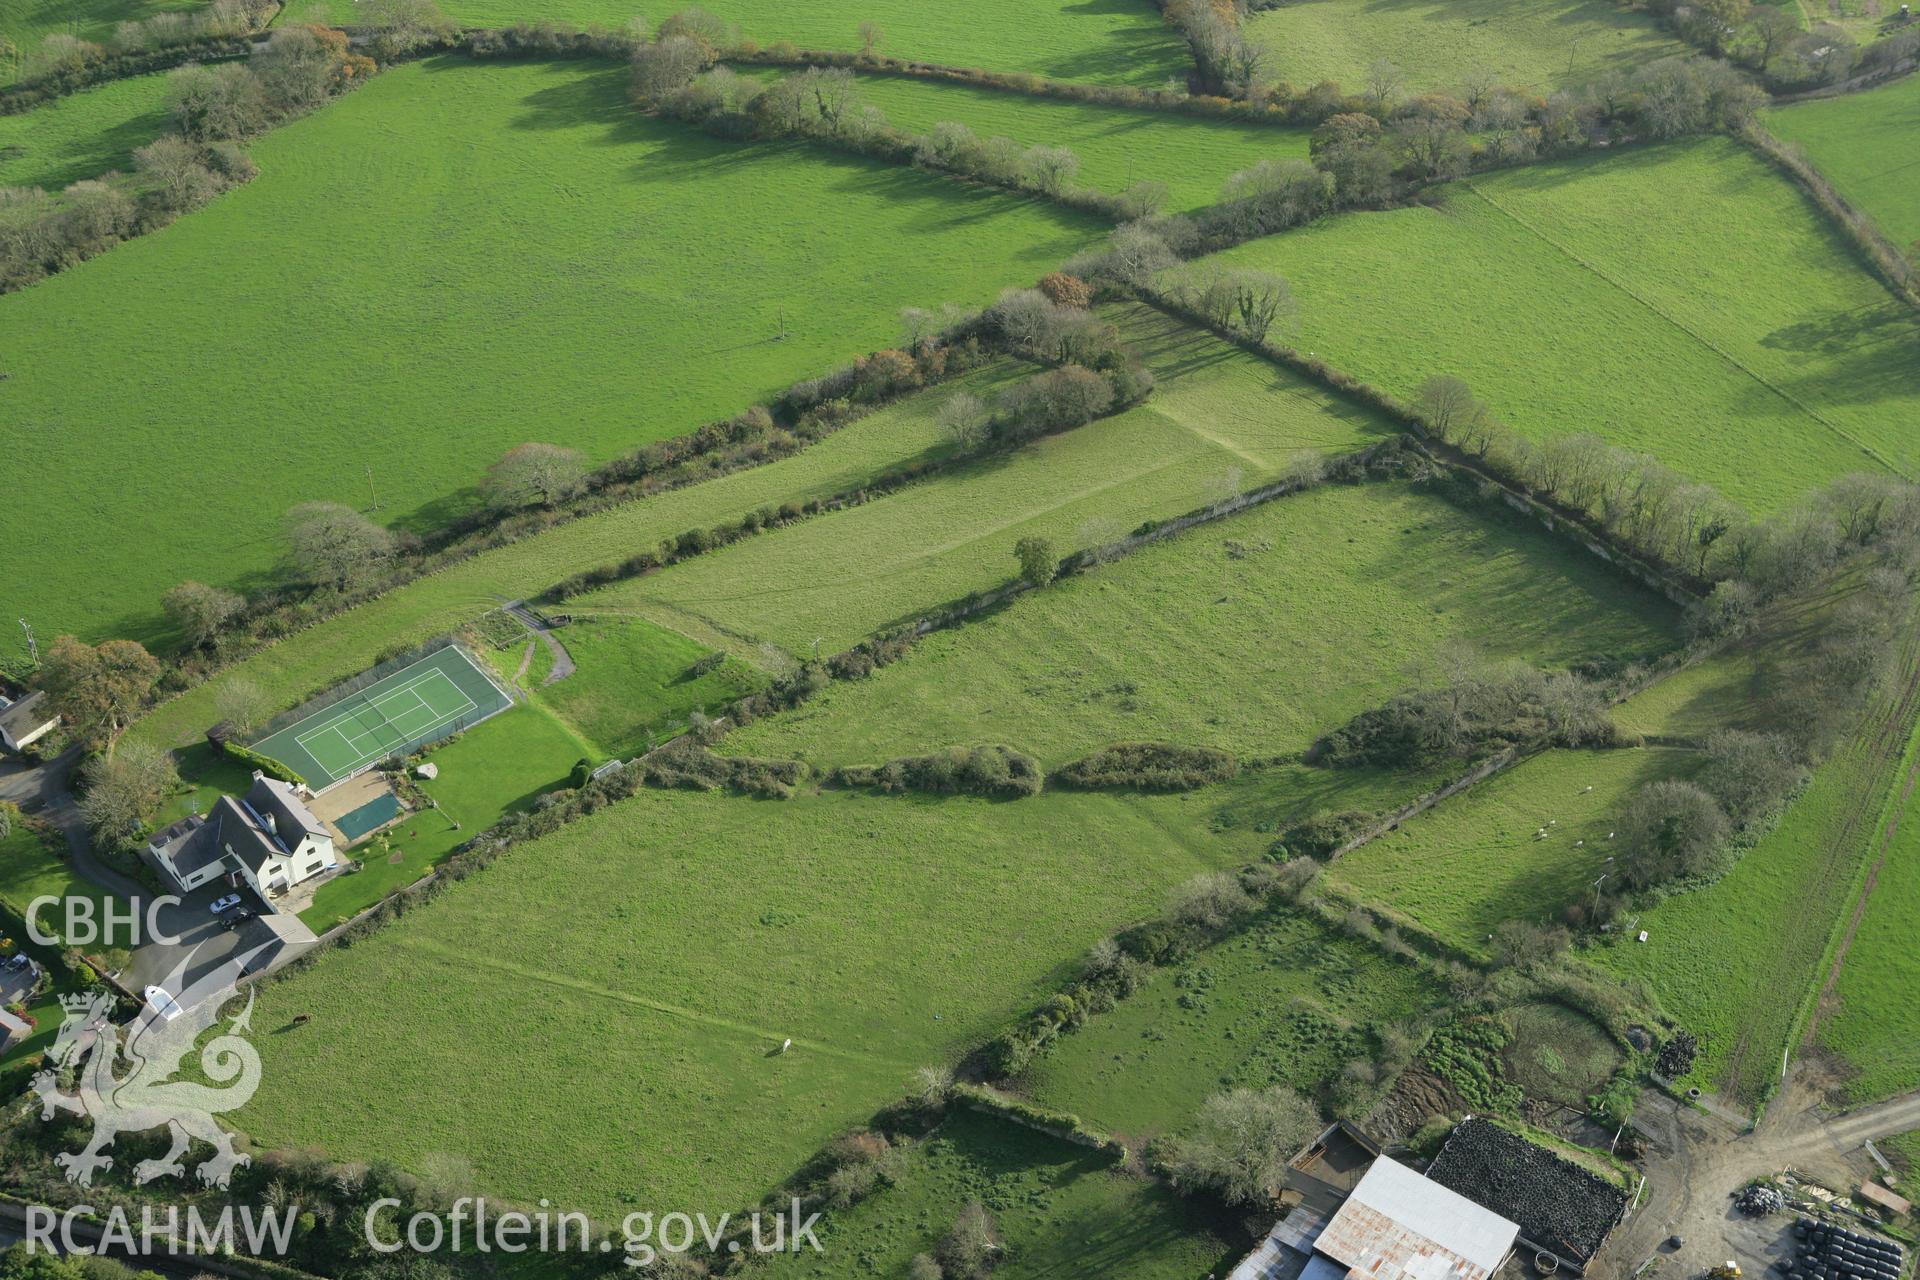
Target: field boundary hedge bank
x,y
1854,225
1676,584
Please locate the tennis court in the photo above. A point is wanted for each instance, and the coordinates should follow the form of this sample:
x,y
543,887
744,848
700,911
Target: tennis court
x,y
439,695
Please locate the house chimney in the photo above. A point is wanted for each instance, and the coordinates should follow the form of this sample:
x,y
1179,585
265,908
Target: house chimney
x,y
273,826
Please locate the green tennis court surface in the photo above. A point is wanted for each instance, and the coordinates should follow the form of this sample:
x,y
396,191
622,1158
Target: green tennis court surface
x,y
439,695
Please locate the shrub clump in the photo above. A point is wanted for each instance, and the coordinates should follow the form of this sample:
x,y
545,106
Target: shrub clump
x,y
691,767
1149,766
999,772
1477,713
1322,835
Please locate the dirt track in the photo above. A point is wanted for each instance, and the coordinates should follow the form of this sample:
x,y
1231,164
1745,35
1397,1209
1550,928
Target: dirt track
x,y
1696,1163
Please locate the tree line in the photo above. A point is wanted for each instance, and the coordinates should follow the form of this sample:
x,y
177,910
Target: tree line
x,y
212,109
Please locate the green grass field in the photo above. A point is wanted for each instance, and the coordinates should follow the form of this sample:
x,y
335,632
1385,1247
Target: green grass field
x,y
634,684
27,22
501,765
622,280
1875,1025
1063,1210
1342,597
1737,963
1863,143
33,866
319,657
1742,345
1220,421
653,955
1557,1054
1462,868
1285,1001
1191,155
1105,41
83,135
1540,45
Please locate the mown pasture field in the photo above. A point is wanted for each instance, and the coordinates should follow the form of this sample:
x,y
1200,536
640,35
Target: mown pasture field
x,y
1220,421
1862,142
83,135
1474,861
635,683
1739,962
1743,346
1874,1024
1106,41
1539,45
1191,155
1254,634
1063,1210
319,657
652,264
654,956
1286,1000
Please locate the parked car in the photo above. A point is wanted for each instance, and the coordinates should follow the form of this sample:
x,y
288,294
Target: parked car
x,y
239,918
227,903
163,1003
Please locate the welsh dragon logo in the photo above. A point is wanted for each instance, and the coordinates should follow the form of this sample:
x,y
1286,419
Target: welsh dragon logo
x,y
124,1077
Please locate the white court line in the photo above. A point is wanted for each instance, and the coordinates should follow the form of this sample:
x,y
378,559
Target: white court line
x,y
363,755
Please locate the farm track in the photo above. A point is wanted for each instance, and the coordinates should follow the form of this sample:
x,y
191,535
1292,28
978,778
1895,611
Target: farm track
x,y
1727,356
1880,748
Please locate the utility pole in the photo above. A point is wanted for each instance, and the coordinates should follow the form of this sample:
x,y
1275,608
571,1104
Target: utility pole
x,y
371,491
33,648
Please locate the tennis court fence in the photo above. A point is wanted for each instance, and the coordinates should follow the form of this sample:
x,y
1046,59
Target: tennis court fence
x,y
346,689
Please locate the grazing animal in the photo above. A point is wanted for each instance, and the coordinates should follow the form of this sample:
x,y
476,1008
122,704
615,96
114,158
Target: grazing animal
x,y
786,1044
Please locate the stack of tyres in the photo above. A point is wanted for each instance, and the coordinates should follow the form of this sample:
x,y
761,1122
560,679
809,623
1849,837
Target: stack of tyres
x,y
1831,1252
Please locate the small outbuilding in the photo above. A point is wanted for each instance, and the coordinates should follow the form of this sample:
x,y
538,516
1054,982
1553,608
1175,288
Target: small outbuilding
x,y
24,721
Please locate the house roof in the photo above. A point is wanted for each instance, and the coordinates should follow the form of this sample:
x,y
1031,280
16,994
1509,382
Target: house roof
x,y
1398,1225
22,717
230,827
271,796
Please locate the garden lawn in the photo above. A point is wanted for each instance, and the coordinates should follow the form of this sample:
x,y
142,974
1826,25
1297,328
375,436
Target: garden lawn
x,y
1739,962
1255,634
1219,422
1285,1001
1863,143
1064,1212
1539,45
654,956
1464,867
33,865
315,659
634,684
1742,346
82,135
1104,41
1116,147
499,765
621,280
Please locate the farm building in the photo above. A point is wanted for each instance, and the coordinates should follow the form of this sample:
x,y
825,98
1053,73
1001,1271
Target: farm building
x,y
1393,1225
1562,1209
25,721
268,841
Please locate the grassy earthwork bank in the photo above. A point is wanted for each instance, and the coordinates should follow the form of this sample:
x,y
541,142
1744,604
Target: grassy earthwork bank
x,y
1254,634
1744,346
660,265
1191,155
83,135
1105,42
693,933
1540,45
1063,1210
1862,142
